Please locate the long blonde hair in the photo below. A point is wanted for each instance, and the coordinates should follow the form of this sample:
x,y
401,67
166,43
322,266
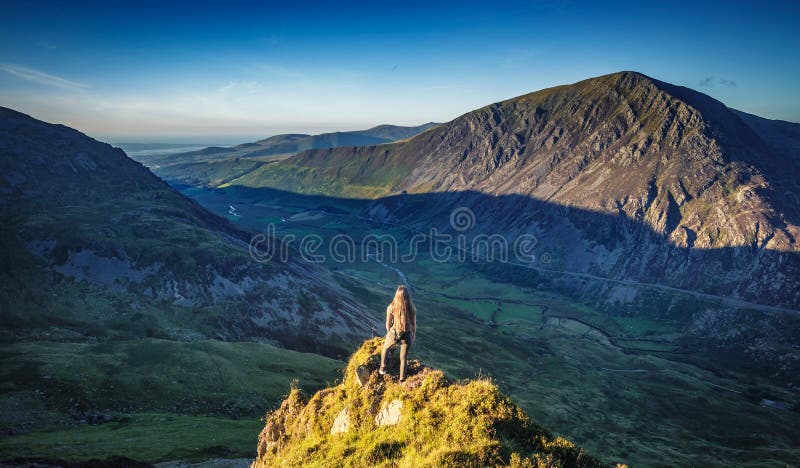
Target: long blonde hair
x,y
404,314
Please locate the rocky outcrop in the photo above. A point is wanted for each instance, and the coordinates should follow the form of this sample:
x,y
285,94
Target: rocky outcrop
x,y
341,423
425,421
390,413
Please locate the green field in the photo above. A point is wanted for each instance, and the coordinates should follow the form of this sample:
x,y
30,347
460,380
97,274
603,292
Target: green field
x,y
143,436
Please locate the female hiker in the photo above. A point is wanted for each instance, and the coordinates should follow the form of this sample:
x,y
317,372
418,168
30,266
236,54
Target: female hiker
x,y
401,327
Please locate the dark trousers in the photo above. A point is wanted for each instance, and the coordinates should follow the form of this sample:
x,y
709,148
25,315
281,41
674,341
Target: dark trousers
x,y
393,338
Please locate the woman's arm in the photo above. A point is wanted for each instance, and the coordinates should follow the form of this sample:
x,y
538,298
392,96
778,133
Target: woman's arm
x,y
388,318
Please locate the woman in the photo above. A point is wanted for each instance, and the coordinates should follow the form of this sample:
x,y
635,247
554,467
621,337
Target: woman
x,y
401,327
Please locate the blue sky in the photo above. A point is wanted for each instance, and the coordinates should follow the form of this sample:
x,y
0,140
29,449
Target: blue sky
x,y
236,71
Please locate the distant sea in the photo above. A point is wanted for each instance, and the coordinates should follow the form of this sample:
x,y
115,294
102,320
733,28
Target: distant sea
x,y
152,149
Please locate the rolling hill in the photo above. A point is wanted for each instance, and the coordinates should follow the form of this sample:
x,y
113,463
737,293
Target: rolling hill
x,y
214,165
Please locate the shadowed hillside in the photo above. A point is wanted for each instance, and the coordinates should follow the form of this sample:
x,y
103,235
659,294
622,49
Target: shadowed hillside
x,y
110,242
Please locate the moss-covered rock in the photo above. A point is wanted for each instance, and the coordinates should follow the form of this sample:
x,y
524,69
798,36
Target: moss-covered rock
x,y
431,422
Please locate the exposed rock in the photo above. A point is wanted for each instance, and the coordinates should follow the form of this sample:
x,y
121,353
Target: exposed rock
x,y
390,414
341,423
112,272
362,375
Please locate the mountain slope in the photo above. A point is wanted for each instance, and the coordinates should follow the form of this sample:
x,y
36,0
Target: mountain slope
x,y
371,420
672,172
123,301
76,211
782,136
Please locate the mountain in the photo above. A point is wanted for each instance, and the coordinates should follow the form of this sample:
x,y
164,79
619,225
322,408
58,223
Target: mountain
x,y
372,420
79,212
782,136
621,176
390,133
123,301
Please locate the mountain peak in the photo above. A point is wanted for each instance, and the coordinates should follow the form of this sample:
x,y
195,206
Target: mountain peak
x,y
625,77
428,420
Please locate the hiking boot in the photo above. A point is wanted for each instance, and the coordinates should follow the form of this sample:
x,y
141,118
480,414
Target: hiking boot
x,y
381,371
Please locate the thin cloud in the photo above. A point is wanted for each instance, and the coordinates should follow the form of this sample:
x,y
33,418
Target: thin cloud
x,y
36,76
710,81
46,45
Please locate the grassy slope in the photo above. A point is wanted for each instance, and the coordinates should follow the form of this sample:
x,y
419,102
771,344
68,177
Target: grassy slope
x,y
211,173
164,399
215,166
148,437
371,172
